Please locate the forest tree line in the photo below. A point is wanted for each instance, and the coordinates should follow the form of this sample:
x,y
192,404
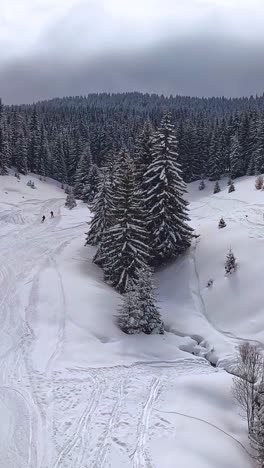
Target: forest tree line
x,y
215,136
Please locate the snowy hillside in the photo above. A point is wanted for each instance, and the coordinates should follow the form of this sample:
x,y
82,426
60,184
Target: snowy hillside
x,y
75,391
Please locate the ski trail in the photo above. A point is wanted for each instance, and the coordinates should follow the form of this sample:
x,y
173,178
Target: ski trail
x,y
30,413
80,434
209,424
107,434
140,457
61,318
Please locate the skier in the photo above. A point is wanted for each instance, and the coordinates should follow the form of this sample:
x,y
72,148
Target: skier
x,y
51,214
43,219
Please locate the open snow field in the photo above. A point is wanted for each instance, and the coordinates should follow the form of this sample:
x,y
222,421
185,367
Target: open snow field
x,y
75,392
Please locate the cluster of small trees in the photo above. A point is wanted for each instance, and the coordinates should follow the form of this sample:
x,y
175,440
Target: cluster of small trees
x,y
248,388
140,216
230,184
31,184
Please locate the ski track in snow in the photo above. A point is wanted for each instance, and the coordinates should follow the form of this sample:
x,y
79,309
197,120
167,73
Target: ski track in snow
x,y
140,456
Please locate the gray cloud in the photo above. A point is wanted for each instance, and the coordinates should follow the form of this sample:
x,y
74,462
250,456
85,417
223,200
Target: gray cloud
x,y
200,65
193,47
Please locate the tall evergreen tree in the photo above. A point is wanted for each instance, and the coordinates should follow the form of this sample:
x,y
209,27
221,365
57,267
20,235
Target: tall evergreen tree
x,y
81,179
34,143
163,190
102,208
22,153
4,153
143,152
259,152
59,165
236,162
124,247
214,163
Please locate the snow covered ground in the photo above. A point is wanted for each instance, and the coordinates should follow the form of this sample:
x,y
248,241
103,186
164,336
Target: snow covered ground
x,y
75,392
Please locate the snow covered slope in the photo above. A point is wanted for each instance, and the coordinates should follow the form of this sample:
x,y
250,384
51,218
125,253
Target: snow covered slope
x,y
75,392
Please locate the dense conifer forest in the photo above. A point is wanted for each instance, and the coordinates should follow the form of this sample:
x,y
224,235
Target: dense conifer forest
x,y
61,137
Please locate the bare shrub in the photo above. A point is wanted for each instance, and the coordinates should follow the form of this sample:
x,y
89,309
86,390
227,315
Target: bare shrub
x,y
249,374
259,182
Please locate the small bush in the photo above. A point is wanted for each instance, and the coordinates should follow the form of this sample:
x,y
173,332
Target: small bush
x,y
259,182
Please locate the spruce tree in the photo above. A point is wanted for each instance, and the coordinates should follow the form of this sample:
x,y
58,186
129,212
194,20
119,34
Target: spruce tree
x,y
81,179
259,151
236,164
221,223
148,304
124,248
91,189
163,190
102,208
130,317
22,152
231,188
139,312
214,163
4,148
230,264
34,143
217,188
202,185
59,166
143,152
70,201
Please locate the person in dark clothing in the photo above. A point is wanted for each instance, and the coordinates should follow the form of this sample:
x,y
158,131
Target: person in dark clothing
x,y
43,219
51,214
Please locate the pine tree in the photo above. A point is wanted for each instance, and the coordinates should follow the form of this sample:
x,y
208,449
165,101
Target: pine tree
x,y
230,181
3,153
217,187
124,249
214,163
235,157
34,143
231,188
143,152
91,189
202,185
163,190
130,318
22,152
102,207
230,264
221,223
139,313
81,179
70,201
59,165
147,303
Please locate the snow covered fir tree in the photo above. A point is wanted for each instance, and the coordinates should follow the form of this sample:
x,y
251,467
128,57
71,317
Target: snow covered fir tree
x,y
217,188
231,263
70,201
162,191
221,223
139,312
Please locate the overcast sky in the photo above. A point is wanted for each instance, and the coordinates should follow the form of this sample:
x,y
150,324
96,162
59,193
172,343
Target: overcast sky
x,y
53,48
